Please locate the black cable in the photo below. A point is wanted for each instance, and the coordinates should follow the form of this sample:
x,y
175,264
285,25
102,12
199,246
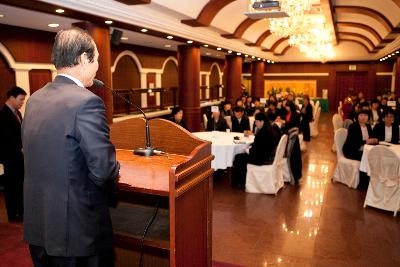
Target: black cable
x,y
144,234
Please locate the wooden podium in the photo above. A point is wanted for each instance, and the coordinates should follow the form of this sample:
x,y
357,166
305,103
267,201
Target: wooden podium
x,y
180,182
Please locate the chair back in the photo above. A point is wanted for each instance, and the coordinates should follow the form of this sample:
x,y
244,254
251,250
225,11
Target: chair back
x,y
205,121
384,165
280,150
251,121
228,120
317,114
337,122
340,138
293,133
316,106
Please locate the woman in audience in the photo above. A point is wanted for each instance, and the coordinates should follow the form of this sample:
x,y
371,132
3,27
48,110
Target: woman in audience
x,y
375,112
226,109
177,116
272,112
261,152
216,123
387,131
291,118
359,134
306,114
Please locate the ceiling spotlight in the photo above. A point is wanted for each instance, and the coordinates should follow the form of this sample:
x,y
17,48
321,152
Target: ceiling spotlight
x,y
144,30
246,55
189,41
53,25
238,54
60,11
389,55
206,45
229,51
272,62
253,57
264,59
397,52
167,45
268,61
258,58
392,54
170,37
124,38
108,22
219,48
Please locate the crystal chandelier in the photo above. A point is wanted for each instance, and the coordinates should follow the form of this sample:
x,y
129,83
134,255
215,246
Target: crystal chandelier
x,y
295,7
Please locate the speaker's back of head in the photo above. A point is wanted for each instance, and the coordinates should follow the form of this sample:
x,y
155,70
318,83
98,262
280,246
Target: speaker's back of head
x,y
116,37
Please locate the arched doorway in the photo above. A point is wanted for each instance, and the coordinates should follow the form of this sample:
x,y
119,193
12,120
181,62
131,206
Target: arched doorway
x,y
126,77
169,79
7,75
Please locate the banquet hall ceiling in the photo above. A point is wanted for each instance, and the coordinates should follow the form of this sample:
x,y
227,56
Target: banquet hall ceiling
x,y
363,29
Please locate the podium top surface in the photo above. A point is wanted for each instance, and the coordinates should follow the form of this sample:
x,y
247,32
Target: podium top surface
x,y
147,174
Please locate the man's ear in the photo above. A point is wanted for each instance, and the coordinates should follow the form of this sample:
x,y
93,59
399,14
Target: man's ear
x,y
83,58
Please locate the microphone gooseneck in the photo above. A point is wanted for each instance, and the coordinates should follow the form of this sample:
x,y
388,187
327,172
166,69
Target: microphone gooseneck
x,y
147,150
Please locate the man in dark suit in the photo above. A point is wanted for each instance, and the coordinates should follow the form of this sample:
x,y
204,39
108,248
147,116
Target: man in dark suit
x,y
11,155
387,131
240,122
70,164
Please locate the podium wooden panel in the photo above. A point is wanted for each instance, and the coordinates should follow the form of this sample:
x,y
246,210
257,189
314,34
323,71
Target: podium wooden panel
x,y
180,181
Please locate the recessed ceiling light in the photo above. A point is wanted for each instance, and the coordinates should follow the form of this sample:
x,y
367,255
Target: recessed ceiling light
x,y
238,54
246,55
53,25
1,16
272,62
219,48
124,38
167,45
60,11
397,52
108,22
170,37
253,57
229,51
189,41
389,55
206,45
268,61
264,59
392,54
258,58
144,30
208,53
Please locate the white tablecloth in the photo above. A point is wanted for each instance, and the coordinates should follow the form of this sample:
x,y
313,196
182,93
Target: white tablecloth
x,y
223,147
364,166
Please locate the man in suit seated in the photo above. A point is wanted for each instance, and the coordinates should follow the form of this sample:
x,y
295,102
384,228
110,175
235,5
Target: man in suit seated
x,y
216,123
240,122
387,131
261,152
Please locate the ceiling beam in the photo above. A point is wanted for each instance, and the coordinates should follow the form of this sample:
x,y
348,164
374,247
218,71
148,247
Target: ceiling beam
x,y
361,26
358,42
239,31
283,52
260,39
362,37
276,44
397,2
207,14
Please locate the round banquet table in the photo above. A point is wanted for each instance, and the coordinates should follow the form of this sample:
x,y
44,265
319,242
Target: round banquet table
x,y
223,147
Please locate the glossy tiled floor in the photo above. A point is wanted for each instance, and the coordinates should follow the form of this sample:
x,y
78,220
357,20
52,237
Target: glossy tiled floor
x,y
317,223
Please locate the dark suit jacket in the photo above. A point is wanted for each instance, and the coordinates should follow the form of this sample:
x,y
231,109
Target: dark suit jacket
x,y
262,151
219,126
379,132
10,143
244,124
181,123
70,167
354,141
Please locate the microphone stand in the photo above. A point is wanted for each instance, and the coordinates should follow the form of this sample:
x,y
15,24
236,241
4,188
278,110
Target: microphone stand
x,y
148,150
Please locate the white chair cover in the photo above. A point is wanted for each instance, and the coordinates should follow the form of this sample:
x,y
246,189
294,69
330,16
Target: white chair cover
x,y
251,121
205,121
315,108
267,179
347,170
337,122
303,146
314,124
228,120
383,190
287,172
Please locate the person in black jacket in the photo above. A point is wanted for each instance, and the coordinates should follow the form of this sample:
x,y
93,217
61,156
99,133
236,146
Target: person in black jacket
x,y
240,122
216,123
306,117
11,155
291,119
387,131
177,116
261,152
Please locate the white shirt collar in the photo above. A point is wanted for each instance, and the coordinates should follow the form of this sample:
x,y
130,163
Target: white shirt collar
x,y
75,80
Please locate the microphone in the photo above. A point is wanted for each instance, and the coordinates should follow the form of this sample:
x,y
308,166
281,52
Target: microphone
x,y
148,150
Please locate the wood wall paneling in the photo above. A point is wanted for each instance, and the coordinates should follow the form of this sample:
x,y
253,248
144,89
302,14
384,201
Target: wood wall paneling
x,y
151,83
169,79
206,62
214,81
38,79
7,77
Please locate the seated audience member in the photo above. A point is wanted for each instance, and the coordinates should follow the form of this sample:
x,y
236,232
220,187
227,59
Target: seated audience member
x,y
272,98
292,119
256,111
364,106
272,112
177,116
240,122
216,122
375,112
384,105
239,103
249,106
226,109
261,152
387,130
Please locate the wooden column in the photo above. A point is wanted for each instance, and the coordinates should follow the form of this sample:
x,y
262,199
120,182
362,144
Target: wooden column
x,y
257,79
101,36
233,77
189,85
397,77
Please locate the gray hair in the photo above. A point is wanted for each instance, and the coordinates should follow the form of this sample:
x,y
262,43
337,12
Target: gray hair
x,y
69,45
